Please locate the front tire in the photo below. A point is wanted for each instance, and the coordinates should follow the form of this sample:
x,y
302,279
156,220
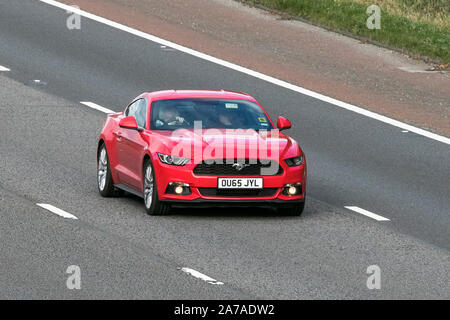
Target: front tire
x,y
105,182
151,201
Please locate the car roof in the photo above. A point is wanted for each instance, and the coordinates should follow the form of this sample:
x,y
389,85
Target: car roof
x,y
199,94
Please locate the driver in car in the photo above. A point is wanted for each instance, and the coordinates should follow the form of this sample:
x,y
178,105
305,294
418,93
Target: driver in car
x,y
169,116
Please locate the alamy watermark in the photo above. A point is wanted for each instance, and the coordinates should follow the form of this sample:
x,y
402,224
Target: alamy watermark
x,y
374,20
73,22
226,146
374,280
74,280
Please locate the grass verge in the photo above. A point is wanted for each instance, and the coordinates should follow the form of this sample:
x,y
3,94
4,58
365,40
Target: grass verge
x,y
418,27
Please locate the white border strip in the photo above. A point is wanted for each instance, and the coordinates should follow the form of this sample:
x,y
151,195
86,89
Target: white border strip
x,y
96,107
57,211
367,213
252,73
201,276
2,68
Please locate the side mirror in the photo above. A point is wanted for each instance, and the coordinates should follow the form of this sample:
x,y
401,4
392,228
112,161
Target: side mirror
x,y
283,123
129,123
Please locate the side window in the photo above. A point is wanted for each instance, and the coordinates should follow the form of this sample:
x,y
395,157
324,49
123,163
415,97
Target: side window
x,y
138,110
141,113
132,108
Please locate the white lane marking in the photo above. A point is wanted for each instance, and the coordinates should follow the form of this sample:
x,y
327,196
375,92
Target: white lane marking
x,y
252,73
96,107
367,213
2,68
201,276
57,211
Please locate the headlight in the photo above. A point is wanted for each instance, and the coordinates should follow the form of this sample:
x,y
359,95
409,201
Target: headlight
x,y
294,162
175,161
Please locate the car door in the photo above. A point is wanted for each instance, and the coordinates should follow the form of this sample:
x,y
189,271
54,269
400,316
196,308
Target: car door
x,y
131,146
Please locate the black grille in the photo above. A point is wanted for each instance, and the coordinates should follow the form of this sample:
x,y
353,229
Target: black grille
x,y
213,192
252,168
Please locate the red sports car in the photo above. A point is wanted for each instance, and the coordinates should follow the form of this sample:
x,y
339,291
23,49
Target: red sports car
x,y
201,148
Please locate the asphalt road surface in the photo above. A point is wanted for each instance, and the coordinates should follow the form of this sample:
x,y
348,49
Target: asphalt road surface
x,y
47,155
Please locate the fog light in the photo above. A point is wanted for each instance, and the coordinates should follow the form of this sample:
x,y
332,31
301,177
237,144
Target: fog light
x,y
179,190
292,190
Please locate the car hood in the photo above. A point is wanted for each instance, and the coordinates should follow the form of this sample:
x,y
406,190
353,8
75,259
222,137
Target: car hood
x,y
223,143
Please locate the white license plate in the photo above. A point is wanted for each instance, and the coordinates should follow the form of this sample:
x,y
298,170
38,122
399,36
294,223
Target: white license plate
x,y
239,183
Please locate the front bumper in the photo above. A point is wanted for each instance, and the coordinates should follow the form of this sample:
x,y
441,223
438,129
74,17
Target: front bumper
x,y
272,186
205,203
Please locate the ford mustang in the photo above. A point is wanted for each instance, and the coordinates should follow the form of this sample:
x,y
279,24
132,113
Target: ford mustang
x,y
201,148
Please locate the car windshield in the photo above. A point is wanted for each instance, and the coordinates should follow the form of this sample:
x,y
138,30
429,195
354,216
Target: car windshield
x,y
213,113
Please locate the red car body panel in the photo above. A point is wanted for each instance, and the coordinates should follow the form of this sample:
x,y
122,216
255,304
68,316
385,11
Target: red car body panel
x,y
127,150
